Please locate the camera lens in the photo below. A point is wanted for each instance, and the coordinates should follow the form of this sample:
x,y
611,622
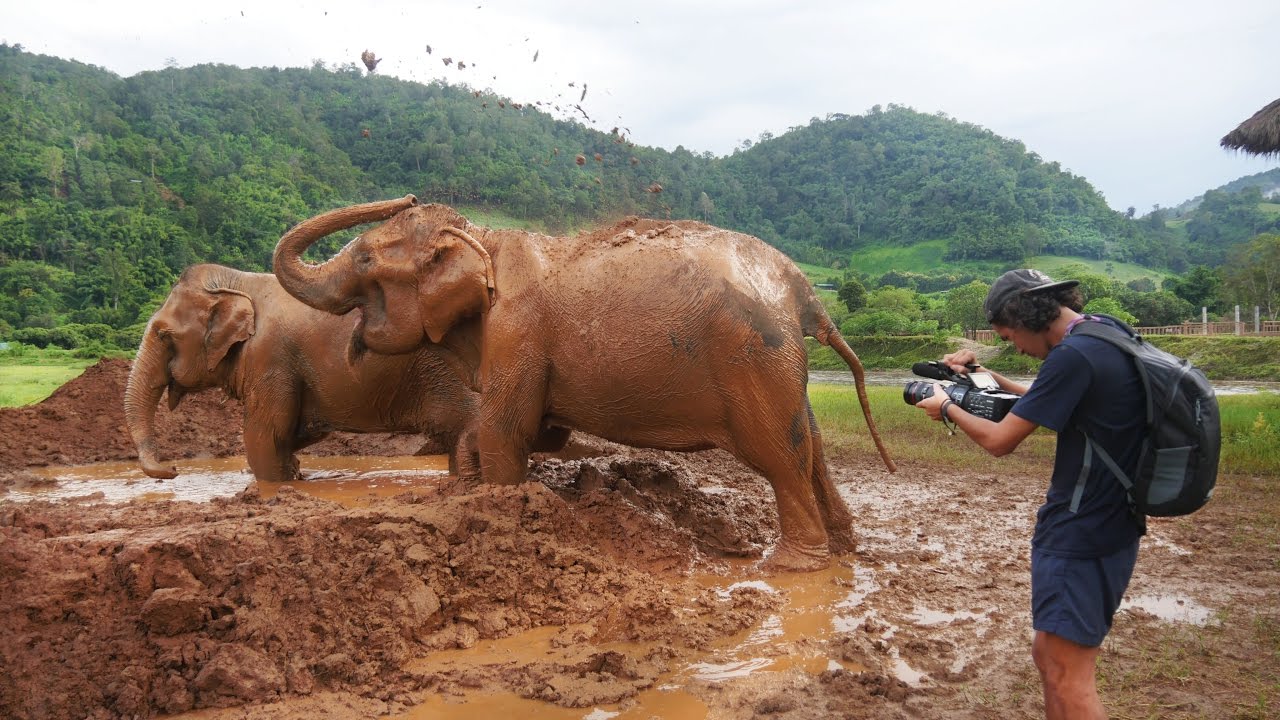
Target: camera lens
x,y
916,390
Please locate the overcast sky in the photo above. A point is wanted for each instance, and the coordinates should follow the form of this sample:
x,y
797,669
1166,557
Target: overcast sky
x,y
1133,96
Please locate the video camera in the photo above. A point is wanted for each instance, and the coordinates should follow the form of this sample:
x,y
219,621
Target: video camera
x,y
977,393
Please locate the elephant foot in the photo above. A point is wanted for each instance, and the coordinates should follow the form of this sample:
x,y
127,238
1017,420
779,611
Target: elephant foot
x,y
795,558
159,471
841,540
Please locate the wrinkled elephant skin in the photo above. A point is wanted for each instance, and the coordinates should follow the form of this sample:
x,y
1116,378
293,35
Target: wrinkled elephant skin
x,y
657,334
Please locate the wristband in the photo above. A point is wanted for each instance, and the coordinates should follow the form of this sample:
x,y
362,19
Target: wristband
x,y
946,421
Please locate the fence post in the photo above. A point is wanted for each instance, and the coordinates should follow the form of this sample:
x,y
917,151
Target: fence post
x,y
1257,320
1237,319
1204,320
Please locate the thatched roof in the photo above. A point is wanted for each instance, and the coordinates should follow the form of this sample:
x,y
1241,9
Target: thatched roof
x,y
1259,134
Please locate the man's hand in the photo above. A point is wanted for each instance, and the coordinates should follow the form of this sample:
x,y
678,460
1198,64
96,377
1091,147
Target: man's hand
x,y
959,359
933,404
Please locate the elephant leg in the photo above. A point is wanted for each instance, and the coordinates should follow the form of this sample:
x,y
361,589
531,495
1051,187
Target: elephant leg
x,y
464,458
269,443
509,422
782,450
835,513
271,459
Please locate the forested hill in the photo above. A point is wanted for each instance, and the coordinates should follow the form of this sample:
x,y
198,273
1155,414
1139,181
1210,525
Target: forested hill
x,y
110,186
897,176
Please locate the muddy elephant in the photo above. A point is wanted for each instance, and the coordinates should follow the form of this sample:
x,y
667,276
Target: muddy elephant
x,y
288,364
656,334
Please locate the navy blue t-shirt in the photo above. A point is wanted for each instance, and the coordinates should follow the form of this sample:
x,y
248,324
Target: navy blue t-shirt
x,y
1087,383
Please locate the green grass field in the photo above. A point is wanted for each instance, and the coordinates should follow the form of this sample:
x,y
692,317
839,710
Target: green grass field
x,y
1123,272
926,257
24,384
1250,431
918,258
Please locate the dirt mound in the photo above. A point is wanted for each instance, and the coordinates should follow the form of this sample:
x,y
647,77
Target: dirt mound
x,y
83,422
164,607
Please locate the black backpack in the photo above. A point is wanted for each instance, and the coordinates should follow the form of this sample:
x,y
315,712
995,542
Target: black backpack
x,y
1178,463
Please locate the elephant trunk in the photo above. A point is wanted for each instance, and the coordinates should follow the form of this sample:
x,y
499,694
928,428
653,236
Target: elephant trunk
x,y
324,286
147,381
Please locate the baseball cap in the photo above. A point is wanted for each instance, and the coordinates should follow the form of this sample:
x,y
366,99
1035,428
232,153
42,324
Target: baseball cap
x,y
1019,282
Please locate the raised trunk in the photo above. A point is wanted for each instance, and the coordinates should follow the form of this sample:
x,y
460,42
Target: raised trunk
x,y
324,286
147,381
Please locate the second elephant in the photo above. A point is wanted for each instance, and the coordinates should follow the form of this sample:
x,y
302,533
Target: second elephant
x,y
288,364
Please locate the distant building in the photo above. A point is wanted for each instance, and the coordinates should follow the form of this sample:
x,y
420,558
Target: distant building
x,y
825,286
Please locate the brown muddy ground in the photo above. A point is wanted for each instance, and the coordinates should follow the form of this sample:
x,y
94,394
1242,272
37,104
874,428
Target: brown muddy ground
x,y
622,583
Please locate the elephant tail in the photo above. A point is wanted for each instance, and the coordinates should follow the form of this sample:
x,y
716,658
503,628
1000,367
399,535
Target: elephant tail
x,y
829,335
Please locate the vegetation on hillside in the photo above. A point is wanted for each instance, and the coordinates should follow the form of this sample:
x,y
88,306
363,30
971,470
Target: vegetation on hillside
x,y
110,186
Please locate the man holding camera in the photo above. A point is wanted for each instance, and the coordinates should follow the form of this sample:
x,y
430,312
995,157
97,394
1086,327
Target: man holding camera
x,y
1086,538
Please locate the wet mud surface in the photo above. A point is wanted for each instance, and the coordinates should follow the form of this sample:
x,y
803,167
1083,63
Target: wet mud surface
x,y
617,583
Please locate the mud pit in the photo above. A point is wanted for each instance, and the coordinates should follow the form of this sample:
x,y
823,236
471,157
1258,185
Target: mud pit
x,y
621,584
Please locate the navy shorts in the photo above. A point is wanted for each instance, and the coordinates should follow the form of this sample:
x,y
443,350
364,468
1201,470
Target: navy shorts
x,y
1075,598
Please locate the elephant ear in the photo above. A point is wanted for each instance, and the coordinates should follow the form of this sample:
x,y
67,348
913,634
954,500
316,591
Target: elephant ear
x,y
231,320
453,284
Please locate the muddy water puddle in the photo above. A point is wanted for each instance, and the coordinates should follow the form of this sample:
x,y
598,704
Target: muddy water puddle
x,y
1171,608
816,606
348,480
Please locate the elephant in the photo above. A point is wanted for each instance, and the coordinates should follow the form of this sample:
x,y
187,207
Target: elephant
x,y
287,363
656,334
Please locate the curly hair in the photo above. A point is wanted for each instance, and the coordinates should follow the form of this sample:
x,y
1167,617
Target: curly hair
x,y
1036,311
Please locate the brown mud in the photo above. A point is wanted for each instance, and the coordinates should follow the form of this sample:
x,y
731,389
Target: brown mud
x,y
619,583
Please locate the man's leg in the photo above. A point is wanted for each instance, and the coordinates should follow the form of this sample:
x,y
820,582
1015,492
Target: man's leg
x,y
1067,674
1073,601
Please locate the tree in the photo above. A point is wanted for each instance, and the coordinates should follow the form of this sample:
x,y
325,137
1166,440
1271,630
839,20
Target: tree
x,y
1253,275
1143,284
963,307
1199,286
1158,308
897,300
1093,286
1110,306
707,207
853,294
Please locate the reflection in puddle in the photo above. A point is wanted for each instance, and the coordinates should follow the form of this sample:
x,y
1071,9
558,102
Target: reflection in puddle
x,y
1170,608
716,672
926,617
347,480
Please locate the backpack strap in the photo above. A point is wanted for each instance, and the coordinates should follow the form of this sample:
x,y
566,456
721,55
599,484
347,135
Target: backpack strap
x,y
1110,334
1092,448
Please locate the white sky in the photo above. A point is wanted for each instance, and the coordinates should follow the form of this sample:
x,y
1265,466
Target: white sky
x,y
1132,95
